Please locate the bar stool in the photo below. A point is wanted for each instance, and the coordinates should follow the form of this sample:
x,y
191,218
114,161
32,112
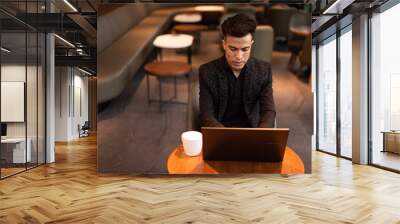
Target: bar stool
x,y
192,17
164,70
191,29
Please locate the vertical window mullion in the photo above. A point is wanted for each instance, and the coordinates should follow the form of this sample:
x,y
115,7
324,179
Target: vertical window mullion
x,y
369,78
37,90
317,97
26,87
338,75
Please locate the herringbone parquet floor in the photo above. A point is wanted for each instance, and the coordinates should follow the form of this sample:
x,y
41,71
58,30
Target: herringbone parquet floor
x,y
71,191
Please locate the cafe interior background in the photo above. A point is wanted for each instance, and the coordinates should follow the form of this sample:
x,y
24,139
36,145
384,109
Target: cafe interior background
x,y
137,134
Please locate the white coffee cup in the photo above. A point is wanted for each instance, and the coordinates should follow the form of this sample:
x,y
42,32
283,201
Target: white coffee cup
x,y
192,142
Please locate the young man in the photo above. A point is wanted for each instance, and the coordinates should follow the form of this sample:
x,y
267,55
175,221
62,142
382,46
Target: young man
x,y
236,89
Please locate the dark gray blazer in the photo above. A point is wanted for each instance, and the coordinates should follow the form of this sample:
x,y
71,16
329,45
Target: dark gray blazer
x,y
258,99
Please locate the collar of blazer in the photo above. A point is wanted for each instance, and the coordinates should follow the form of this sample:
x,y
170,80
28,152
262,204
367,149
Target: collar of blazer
x,y
223,84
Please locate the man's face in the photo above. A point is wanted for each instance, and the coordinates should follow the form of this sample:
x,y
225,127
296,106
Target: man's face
x,y
237,51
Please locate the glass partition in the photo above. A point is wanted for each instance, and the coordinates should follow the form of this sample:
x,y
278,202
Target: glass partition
x,y
326,96
22,91
14,153
385,89
346,92
31,100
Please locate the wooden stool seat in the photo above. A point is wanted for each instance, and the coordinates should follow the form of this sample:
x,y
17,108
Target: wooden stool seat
x,y
189,28
168,68
164,70
192,29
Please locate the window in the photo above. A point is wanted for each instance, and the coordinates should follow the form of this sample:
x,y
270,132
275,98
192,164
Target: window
x,y
385,89
334,106
346,92
327,96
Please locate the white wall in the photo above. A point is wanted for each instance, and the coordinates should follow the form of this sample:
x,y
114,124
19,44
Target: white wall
x,y
80,83
70,83
15,72
33,126
62,81
9,73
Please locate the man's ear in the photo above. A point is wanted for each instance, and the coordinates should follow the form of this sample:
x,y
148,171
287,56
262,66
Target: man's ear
x,y
251,45
223,44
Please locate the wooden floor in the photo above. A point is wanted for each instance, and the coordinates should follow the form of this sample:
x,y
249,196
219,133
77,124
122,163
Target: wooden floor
x,y
10,171
386,159
71,191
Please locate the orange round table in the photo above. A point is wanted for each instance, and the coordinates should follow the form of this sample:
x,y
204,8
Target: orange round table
x,y
180,163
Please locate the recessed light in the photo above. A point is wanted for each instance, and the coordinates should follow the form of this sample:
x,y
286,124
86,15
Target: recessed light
x,y
64,40
70,5
84,71
337,7
5,50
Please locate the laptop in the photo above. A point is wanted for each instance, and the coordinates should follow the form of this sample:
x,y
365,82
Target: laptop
x,y
244,144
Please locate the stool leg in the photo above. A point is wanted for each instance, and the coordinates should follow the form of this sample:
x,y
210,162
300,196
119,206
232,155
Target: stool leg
x,y
160,53
197,42
148,88
159,88
189,83
199,38
189,101
189,53
175,90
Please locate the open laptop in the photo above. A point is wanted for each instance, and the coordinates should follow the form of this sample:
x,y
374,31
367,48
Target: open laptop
x,y
244,144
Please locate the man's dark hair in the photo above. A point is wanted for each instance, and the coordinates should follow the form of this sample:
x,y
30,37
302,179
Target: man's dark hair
x,y
239,25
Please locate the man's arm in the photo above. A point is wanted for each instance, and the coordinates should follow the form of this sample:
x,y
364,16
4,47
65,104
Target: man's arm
x,y
207,111
267,105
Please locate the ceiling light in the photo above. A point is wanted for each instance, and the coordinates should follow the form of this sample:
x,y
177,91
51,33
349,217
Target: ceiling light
x,y
333,6
5,50
70,5
79,51
338,6
65,41
84,71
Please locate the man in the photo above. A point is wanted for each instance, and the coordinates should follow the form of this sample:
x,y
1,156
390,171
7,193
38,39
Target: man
x,y
236,90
